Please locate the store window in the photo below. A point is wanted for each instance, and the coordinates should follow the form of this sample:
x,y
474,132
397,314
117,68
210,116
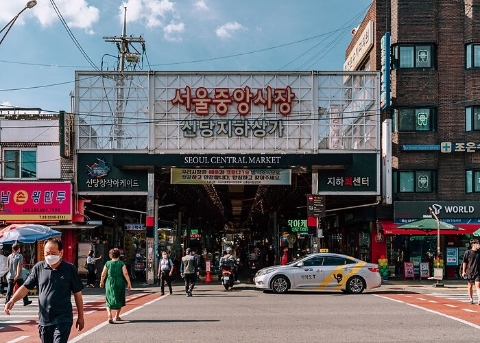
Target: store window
x,y
413,56
472,56
472,118
415,119
472,181
20,164
414,181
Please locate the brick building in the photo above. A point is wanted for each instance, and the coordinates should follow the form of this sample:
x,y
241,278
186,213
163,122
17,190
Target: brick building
x,y
432,110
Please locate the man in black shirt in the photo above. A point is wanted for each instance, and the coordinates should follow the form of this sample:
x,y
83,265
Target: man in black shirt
x,y
471,269
55,280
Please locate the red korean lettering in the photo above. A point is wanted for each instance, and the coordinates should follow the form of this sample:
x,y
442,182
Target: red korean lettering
x,y
243,98
201,101
183,99
221,100
284,96
260,99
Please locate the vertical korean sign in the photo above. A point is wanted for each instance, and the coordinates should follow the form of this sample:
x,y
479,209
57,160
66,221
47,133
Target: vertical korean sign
x,y
35,201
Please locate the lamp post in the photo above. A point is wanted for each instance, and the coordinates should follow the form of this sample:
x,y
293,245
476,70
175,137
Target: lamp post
x,y
438,232
439,251
9,25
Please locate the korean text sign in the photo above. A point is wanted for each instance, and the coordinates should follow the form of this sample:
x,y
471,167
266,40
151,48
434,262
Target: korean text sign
x,y
36,201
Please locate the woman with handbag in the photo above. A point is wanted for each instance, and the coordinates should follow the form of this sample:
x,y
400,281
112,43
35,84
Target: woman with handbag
x,y
92,269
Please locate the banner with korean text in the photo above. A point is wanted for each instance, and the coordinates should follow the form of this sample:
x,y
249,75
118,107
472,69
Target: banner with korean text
x,y
222,176
35,201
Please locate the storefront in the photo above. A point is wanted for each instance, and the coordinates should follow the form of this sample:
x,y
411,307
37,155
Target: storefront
x,y
411,245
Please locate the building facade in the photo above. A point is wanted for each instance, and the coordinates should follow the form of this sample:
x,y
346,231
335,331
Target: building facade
x,y
427,52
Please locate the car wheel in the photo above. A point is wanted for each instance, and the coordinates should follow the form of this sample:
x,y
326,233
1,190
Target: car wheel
x,y
280,284
355,285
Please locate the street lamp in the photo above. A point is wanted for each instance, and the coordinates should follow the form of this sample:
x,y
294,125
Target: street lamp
x,y
9,25
439,251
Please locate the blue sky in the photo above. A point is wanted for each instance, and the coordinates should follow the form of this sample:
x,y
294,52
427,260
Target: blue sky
x,y
39,56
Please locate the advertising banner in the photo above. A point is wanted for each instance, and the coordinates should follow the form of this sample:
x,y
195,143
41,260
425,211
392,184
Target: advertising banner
x,y
35,201
222,176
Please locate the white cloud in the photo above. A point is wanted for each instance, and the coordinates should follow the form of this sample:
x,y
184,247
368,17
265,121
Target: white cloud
x,y
228,29
200,5
77,14
173,30
150,12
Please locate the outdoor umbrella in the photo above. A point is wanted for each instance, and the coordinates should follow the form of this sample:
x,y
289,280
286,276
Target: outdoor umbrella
x,y
427,225
26,233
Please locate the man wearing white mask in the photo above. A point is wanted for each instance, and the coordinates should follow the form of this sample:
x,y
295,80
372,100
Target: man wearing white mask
x,y
55,280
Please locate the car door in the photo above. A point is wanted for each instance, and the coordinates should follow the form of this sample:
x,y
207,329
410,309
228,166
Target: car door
x,y
308,273
335,271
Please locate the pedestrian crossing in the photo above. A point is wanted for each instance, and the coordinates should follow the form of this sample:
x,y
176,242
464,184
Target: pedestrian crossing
x,y
463,297
20,313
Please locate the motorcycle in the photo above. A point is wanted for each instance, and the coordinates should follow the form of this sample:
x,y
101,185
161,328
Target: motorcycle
x,y
227,275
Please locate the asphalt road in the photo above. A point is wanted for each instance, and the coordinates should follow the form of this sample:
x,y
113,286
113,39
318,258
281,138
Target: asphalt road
x,y
247,315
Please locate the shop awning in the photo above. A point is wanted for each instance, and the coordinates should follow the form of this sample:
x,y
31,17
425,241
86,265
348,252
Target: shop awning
x,y
390,228
74,226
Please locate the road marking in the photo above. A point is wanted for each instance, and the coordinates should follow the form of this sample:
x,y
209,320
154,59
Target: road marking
x,y
99,326
21,338
450,305
431,311
468,310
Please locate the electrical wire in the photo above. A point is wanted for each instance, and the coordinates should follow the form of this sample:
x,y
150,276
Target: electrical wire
x,y
72,36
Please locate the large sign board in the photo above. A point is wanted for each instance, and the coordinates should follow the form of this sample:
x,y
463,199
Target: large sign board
x,y
35,201
222,112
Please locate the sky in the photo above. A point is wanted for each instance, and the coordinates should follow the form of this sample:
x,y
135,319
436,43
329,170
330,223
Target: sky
x,y
46,44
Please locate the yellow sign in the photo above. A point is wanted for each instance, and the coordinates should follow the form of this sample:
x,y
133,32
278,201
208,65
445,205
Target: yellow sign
x,y
323,250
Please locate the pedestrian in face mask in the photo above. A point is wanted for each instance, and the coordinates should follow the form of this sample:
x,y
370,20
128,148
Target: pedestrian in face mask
x,y
165,272
56,280
471,269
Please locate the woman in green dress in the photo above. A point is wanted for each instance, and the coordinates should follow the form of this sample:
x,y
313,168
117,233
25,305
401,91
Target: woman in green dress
x,y
113,278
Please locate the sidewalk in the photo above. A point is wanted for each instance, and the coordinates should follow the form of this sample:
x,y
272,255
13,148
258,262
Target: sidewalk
x,y
448,285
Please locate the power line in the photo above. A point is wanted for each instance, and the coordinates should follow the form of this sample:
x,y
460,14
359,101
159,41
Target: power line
x,y
72,36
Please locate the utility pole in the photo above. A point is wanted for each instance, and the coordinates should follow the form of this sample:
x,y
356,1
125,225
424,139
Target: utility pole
x,y
123,43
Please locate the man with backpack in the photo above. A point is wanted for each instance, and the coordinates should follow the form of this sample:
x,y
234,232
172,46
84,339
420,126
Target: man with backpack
x,y
165,272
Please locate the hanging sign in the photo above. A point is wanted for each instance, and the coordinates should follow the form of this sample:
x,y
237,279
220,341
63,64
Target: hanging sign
x,y
223,176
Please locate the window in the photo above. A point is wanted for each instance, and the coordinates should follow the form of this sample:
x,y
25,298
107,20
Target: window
x,y
314,261
472,56
472,118
415,119
472,181
20,164
415,181
413,56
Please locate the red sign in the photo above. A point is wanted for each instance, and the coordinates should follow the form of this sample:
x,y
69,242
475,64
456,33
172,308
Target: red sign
x,y
221,99
36,201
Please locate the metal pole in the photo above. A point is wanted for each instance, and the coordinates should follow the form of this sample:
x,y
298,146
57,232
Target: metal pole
x,y
438,231
155,237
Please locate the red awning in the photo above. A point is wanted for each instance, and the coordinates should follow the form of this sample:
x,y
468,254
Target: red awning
x,y
390,228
